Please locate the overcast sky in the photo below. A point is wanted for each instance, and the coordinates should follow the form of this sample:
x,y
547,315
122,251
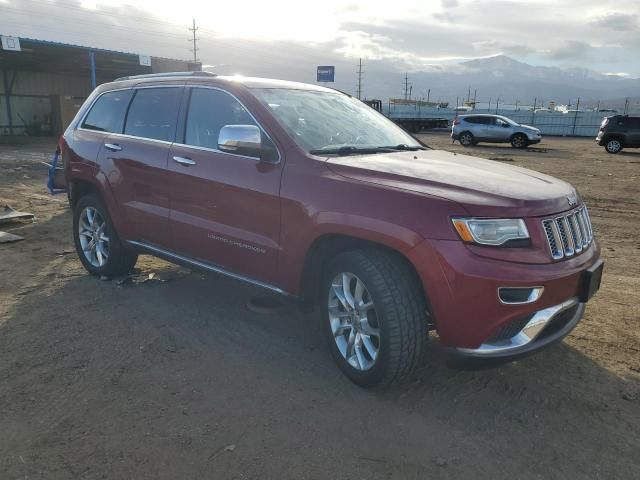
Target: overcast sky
x,y
287,38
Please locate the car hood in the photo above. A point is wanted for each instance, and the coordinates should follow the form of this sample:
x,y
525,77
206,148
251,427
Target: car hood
x,y
482,187
529,127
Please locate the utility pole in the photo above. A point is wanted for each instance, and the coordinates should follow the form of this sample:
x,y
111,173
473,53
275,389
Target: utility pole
x,y
360,80
575,117
428,94
533,111
194,40
410,91
469,95
406,85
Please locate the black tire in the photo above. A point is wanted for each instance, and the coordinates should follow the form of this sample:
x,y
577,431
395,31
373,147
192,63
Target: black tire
x,y
120,260
519,140
613,145
466,139
400,314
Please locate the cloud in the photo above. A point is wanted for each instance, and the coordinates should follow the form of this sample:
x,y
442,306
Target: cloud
x,y
617,21
571,50
445,17
390,40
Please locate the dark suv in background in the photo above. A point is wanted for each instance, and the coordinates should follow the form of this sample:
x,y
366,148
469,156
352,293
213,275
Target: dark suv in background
x,y
618,132
308,192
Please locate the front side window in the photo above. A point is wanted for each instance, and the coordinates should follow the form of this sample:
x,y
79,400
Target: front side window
x,y
107,113
325,120
209,111
153,113
478,120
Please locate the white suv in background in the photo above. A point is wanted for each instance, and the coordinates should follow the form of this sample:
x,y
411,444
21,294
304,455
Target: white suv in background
x,y
471,129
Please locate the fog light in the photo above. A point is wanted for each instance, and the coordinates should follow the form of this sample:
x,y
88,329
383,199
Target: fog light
x,y
519,295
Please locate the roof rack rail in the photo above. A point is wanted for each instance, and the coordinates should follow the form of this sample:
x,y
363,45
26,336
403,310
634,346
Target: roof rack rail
x,y
167,74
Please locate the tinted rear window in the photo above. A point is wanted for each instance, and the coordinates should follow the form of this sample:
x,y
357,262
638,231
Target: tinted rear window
x,y
634,122
478,120
153,113
107,113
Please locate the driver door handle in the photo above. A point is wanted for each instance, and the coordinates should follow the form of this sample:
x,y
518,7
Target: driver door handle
x,y
187,162
114,147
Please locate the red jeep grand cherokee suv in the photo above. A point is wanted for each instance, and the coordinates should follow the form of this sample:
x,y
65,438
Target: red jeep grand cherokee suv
x,y
308,192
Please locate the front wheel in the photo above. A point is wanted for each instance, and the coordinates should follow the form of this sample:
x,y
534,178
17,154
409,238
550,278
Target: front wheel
x,y
613,146
519,140
97,242
375,317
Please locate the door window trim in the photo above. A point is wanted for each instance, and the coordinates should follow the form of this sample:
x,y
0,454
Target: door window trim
x,y
120,134
182,134
93,103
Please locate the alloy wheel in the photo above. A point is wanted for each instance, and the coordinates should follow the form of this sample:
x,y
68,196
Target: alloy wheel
x,y
353,320
93,237
518,141
466,139
614,146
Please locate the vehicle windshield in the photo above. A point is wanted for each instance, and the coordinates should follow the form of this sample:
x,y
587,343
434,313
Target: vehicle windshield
x,y
509,121
334,123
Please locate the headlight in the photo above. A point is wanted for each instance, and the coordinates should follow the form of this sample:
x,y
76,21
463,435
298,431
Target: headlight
x,y
492,231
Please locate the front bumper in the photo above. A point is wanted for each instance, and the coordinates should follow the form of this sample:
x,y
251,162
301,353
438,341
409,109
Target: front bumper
x,y
545,326
462,288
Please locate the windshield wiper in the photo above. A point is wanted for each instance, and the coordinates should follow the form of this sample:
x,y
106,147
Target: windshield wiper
x,y
404,146
350,150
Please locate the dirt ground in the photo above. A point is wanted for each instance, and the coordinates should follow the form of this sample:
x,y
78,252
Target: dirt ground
x,y
171,377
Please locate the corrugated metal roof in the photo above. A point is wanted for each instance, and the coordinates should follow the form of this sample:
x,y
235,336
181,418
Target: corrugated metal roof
x,y
84,47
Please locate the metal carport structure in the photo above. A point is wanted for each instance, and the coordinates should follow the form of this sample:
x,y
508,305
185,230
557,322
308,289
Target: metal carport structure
x,y
43,82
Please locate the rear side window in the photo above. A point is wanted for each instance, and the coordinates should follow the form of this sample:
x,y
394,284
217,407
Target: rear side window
x,y
479,120
209,111
153,113
107,113
634,122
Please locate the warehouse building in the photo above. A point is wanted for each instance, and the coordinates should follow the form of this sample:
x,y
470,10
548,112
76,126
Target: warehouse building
x,y
43,84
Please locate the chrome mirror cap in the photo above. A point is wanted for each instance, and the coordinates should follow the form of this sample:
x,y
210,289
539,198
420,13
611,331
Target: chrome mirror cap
x,y
240,139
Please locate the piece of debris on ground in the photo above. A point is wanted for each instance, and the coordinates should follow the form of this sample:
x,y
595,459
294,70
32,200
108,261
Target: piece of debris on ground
x,y
9,237
10,215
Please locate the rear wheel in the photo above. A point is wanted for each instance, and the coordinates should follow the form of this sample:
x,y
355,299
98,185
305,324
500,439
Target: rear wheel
x,y
375,317
613,145
519,140
466,139
97,242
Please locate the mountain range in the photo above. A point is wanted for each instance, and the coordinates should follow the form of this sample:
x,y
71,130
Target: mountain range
x,y
512,81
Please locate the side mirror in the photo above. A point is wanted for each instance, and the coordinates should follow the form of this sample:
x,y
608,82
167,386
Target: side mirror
x,y
505,125
246,140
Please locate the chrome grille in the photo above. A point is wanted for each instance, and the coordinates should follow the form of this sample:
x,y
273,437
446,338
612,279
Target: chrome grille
x,y
568,234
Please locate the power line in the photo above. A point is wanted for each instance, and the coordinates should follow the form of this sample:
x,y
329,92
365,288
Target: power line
x,y
98,23
112,12
195,48
360,80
